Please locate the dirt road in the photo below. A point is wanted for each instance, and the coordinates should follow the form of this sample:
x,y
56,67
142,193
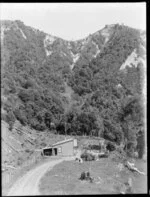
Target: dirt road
x,y
28,184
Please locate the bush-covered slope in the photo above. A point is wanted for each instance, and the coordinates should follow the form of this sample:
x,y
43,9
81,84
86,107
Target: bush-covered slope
x,y
115,92
105,71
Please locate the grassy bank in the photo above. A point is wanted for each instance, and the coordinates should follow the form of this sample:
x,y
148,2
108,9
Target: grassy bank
x,y
108,179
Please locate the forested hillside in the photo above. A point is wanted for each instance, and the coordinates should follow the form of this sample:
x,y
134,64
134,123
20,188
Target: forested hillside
x,y
92,86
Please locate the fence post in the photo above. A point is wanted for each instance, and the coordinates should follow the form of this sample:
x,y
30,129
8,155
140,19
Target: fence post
x,y
9,177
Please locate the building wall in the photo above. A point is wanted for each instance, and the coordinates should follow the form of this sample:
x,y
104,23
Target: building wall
x,y
66,149
75,142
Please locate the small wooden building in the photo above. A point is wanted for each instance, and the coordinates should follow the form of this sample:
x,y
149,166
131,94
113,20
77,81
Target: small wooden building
x,y
63,148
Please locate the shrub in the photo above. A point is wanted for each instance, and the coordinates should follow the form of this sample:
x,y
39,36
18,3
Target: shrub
x,y
87,156
120,150
82,177
117,156
10,119
19,161
20,115
43,144
39,127
90,157
95,147
130,149
27,150
110,146
3,117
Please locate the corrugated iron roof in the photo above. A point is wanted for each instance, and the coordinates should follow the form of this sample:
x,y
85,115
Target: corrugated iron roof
x,y
47,147
64,141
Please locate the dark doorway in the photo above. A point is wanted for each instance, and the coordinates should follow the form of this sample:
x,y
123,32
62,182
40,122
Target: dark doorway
x,y
55,151
47,152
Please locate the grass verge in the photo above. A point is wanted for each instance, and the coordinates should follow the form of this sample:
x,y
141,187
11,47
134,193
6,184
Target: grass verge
x,y
108,179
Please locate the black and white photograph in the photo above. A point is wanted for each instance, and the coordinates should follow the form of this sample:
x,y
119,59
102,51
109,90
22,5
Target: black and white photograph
x,y
73,98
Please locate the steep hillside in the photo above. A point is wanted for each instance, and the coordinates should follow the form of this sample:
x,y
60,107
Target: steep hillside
x,y
36,64
92,86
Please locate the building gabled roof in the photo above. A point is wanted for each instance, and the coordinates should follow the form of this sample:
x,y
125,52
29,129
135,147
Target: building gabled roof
x,y
47,147
62,142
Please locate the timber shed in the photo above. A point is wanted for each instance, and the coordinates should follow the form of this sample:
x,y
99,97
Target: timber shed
x,y
66,147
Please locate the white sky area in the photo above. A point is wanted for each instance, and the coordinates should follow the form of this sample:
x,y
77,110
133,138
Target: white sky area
x,y
72,21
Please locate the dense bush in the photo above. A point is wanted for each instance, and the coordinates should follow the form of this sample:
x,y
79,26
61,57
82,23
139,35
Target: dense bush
x,y
34,84
101,76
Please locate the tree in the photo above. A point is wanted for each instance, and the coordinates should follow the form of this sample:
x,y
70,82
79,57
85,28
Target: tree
x,y
10,119
48,119
131,116
141,143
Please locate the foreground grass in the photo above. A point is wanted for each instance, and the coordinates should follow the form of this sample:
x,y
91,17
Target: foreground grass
x,y
108,179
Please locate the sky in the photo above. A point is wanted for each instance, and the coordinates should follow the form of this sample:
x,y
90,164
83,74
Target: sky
x,y
72,21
